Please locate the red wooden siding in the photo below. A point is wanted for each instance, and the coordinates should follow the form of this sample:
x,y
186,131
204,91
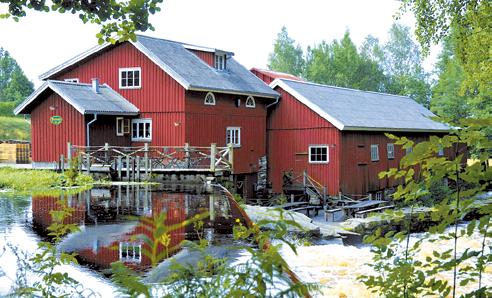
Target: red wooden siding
x,y
264,77
160,97
207,57
49,141
292,127
207,124
104,131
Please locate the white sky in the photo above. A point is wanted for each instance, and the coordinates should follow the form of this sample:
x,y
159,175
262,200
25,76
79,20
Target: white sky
x,y
41,41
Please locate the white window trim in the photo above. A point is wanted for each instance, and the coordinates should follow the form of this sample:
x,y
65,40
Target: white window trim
x,y
141,120
205,99
132,259
252,106
238,129
72,80
120,70
377,152
118,133
392,151
319,146
220,58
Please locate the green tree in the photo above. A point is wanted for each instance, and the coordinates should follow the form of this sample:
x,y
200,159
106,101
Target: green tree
x,y
287,56
447,100
470,22
403,65
341,64
14,85
118,19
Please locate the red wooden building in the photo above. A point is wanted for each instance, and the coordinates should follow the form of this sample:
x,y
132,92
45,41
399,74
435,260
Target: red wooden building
x,y
337,135
153,91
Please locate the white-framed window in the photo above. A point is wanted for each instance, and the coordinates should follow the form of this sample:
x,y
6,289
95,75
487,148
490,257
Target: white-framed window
x,y
141,129
209,99
220,61
233,136
130,78
318,154
440,152
72,80
374,152
391,150
122,126
130,252
408,150
250,102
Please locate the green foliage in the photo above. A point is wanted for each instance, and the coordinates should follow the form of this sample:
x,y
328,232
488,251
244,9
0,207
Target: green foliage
x,y
7,108
119,20
286,56
340,64
468,23
264,274
14,85
13,128
21,181
40,275
398,271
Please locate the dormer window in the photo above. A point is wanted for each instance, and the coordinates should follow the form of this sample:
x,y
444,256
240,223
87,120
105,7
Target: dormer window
x,y
220,61
250,102
209,99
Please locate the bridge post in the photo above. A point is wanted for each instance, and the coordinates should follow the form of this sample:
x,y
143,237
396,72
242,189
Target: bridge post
x,y
106,153
146,160
128,168
69,152
231,155
138,168
119,166
88,162
187,155
213,152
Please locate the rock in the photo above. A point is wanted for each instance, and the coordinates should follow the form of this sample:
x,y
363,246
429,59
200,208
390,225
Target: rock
x,y
257,213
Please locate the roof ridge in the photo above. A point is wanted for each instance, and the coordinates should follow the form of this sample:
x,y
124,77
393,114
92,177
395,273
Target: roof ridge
x,y
184,44
74,83
344,88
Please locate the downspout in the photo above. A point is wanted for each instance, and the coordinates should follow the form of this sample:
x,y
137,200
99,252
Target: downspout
x,y
87,133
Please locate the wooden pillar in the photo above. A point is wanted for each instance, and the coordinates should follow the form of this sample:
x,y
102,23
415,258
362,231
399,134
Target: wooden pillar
x,y
231,156
128,168
187,155
88,162
213,152
138,168
146,160
106,153
69,152
119,165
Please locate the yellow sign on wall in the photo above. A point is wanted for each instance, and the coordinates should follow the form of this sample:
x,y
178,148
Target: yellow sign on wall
x,y
56,120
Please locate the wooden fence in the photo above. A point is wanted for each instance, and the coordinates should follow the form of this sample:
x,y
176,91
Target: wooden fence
x,y
133,162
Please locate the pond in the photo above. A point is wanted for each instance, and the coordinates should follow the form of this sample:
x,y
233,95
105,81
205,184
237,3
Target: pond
x,y
110,222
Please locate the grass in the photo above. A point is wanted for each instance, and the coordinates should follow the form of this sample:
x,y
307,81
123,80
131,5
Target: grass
x,y
13,128
20,181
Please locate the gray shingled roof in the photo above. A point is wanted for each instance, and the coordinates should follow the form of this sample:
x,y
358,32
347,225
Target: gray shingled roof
x,y
198,75
84,99
350,109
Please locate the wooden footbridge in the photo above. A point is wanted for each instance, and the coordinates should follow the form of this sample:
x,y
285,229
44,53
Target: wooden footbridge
x,y
132,163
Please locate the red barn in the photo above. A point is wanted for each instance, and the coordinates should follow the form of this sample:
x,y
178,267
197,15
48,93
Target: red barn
x,y
337,135
153,91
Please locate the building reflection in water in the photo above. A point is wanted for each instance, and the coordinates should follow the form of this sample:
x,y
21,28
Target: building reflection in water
x,y
108,233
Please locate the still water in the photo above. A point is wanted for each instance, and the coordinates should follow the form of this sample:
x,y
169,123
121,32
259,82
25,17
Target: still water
x,y
110,221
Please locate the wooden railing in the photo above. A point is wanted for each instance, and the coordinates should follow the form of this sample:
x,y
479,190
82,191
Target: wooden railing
x,y
147,159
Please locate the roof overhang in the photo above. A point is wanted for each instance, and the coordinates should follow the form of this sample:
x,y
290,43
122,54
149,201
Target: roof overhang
x,y
20,109
338,124
279,83
198,88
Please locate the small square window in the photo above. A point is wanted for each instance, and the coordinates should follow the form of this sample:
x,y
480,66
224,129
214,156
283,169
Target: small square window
x,y
122,126
374,152
391,150
130,252
318,154
130,78
141,129
233,136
